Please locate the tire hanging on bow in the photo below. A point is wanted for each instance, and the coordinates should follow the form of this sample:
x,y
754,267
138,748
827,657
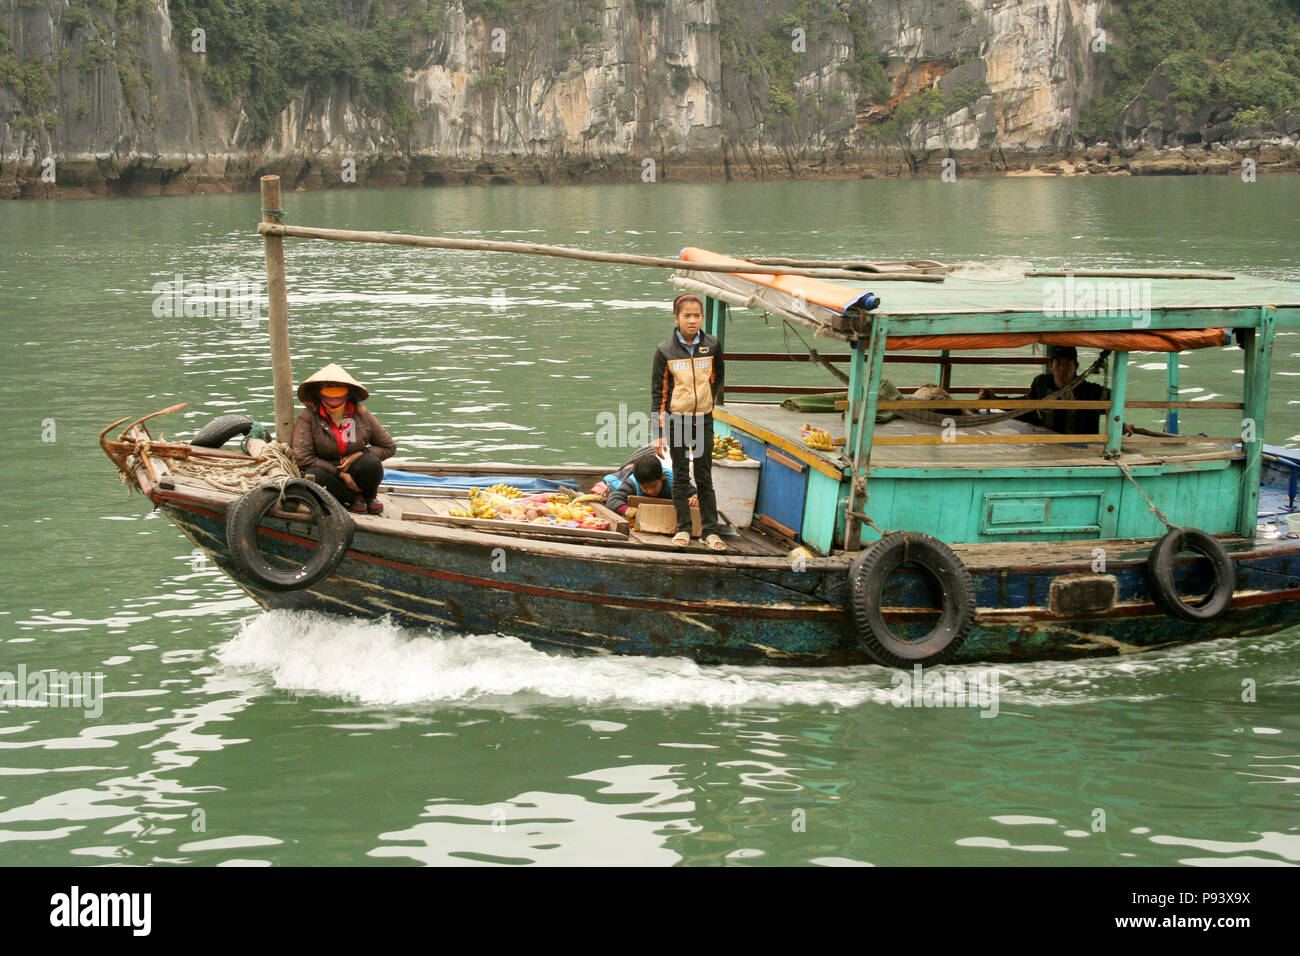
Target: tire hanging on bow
x,y
245,517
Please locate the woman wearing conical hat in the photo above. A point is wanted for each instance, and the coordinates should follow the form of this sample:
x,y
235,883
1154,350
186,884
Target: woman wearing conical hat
x,y
338,443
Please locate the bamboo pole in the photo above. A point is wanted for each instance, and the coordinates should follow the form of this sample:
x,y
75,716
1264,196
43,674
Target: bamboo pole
x,y
269,228
278,309
1127,274
924,266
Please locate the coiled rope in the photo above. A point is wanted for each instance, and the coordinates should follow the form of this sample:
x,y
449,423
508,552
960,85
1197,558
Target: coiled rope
x,y
238,476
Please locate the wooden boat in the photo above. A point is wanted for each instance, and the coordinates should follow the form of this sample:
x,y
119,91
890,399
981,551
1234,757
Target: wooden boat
x,y
905,542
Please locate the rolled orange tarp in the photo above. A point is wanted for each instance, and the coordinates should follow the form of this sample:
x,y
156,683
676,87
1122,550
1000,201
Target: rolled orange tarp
x,y
1162,340
837,298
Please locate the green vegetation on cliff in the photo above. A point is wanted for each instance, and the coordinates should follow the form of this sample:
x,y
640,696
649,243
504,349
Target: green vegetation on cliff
x,y
1239,57
263,53
769,56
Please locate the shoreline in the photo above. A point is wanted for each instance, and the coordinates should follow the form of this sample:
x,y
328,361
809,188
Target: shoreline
x,y
93,176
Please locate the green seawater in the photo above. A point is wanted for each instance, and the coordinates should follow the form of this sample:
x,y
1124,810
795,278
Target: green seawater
x,y
228,735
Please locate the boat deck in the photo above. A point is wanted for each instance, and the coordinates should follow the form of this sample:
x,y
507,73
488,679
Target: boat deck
x,y
771,421
752,541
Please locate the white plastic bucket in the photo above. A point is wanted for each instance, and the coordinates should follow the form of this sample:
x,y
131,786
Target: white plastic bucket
x,y
735,483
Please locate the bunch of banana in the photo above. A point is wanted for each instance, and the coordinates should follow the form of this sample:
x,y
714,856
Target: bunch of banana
x,y
480,506
728,448
817,438
505,491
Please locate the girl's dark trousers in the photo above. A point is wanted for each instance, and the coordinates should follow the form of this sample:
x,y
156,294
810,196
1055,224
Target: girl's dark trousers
x,y
692,435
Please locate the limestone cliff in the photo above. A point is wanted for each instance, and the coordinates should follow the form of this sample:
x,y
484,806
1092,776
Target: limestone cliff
x,y
119,94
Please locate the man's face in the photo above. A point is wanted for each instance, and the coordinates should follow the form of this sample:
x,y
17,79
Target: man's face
x,y
689,319
1063,371
652,488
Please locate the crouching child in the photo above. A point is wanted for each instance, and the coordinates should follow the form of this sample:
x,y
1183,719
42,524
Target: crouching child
x,y
643,476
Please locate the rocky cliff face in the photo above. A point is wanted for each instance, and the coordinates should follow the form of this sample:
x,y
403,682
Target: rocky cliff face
x,y
558,90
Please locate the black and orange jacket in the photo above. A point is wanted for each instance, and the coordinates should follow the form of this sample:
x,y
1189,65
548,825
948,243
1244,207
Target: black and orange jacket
x,y
682,383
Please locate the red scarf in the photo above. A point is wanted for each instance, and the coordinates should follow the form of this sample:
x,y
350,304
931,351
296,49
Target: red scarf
x,y
348,411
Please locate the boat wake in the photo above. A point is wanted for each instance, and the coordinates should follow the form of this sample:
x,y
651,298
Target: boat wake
x,y
380,663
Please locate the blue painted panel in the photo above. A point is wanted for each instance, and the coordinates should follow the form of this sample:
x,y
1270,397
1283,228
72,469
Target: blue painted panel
x,y
781,491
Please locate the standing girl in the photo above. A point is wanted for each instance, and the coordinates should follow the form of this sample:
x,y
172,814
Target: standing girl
x,y
685,380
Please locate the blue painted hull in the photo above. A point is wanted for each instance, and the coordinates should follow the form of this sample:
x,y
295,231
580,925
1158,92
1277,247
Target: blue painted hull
x,y
748,611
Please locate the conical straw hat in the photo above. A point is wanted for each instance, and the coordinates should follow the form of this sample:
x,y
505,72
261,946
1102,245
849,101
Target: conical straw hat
x,y
332,375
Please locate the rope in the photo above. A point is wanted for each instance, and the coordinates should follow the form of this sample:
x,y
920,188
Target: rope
x,y
236,476
1154,510
812,352
277,215
874,527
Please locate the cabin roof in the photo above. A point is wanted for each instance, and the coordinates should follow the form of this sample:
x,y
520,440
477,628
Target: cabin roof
x,y
974,302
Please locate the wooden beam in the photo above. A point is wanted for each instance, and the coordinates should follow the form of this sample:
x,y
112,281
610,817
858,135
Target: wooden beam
x,y
1118,393
954,323
1010,403
1259,362
1171,390
864,393
1052,439
270,228
278,310
892,357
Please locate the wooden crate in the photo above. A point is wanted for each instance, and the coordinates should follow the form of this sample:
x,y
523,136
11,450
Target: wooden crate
x,y
658,516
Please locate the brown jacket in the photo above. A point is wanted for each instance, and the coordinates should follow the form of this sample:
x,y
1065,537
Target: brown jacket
x,y
314,444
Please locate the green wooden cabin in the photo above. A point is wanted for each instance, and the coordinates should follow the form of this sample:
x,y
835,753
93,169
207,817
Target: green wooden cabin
x,y
971,486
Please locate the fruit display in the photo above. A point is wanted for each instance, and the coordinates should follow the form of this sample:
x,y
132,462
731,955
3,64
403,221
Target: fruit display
x,y
728,449
506,503
818,438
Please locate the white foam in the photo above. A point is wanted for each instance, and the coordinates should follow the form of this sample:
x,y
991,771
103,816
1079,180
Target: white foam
x,y
383,663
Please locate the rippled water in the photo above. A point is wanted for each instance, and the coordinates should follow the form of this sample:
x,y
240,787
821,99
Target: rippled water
x,y
229,736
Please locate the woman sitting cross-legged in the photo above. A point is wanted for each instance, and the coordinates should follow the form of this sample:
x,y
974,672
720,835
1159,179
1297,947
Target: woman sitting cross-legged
x,y
338,443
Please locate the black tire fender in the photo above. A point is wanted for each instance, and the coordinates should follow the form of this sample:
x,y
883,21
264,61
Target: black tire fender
x,y
246,514
1160,575
867,576
221,429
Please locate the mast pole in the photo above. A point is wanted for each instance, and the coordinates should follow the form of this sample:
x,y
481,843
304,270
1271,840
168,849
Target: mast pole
x,y
278,308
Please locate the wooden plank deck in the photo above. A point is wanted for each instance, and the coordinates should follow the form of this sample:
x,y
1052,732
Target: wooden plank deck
x,y
784,423
751,541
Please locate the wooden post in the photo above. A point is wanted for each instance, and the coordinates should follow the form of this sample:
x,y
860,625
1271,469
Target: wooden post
x,y
1171,391
945,370
864,393
1118,390
715,323
1258,345
278,307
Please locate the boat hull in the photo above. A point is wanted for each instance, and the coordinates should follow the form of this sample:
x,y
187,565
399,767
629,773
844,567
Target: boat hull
x,y
742,611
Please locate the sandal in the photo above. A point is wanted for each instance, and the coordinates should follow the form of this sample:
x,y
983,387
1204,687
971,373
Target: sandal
x,y
681,539
714,543
374,506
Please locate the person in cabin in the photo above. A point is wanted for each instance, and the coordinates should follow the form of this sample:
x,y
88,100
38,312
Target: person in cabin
x,y
338,443
1062,367
644,475
685,380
